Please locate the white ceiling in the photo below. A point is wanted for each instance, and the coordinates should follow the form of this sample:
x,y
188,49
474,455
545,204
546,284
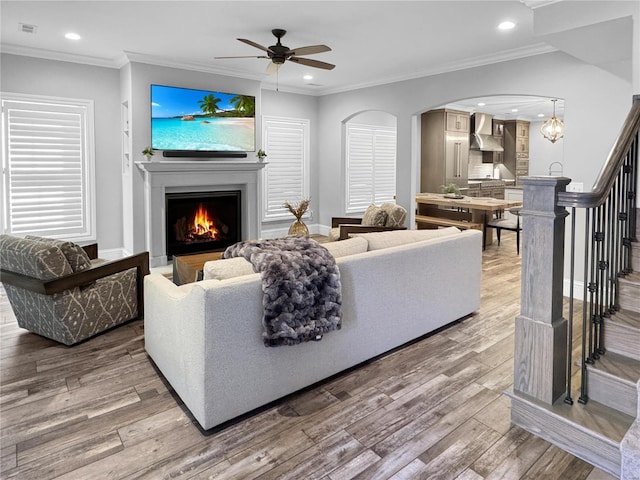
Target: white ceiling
x,y
373,42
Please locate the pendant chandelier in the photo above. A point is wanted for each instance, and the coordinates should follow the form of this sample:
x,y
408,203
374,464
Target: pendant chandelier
x,y
553,129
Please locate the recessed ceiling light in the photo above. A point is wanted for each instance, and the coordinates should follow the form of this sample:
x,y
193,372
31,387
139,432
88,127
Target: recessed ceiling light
x,y
541,114
506,25
72,36
481,104
308,77
514,110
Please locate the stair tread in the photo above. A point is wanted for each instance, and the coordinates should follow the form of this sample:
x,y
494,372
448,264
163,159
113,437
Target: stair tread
x,y
632,278
604,422
627,318
619,366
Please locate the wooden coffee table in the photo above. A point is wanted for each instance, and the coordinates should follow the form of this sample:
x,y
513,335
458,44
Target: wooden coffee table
x,y
188,268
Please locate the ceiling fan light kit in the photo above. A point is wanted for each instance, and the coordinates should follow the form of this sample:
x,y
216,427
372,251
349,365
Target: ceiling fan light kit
x,y
279,54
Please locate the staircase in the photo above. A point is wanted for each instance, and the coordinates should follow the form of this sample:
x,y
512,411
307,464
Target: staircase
x,y
577,373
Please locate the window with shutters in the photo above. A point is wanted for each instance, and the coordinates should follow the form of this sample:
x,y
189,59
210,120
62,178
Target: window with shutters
x,y
48,167
286,175
370,166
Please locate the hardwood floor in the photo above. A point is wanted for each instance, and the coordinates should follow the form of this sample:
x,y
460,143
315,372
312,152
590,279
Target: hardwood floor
x,y
434,410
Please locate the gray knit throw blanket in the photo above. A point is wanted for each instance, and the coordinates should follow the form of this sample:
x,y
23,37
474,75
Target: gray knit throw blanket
x,y
301,288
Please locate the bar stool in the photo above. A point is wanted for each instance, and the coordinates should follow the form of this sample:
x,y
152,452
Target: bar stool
x,y
508,224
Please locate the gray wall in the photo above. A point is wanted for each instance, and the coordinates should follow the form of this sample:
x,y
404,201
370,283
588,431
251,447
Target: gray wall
x,y
140,77
71,80
596,104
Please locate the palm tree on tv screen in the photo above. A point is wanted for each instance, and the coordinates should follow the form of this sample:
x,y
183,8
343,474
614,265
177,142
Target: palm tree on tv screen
x,y
244,104
209,104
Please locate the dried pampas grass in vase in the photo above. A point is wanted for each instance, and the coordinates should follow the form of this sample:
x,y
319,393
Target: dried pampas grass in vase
x,y
298,210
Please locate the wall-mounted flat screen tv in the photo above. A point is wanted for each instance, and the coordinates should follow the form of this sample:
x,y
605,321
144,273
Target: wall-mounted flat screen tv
x,y
185,119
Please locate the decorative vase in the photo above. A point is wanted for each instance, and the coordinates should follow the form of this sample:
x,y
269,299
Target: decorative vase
x,y
298,228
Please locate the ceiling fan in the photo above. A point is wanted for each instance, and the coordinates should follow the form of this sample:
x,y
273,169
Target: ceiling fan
x,y
278,53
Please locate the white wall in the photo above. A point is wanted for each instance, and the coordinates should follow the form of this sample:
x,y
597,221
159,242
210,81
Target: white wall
x,y
71,80
596,104
542,153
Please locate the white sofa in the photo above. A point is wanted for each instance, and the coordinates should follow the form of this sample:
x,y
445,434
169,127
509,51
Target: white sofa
x,y
205,337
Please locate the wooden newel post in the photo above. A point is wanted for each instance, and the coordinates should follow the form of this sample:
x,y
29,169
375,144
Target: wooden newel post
x,y
540,330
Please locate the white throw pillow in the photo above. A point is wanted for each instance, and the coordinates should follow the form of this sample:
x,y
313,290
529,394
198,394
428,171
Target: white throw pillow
x,y
392,238
227,268
346,247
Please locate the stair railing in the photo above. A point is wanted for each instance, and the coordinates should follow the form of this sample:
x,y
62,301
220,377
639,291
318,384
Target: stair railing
x,y
609,229
543,335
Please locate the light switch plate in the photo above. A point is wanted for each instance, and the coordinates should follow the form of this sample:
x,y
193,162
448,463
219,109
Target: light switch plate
x,y
575,187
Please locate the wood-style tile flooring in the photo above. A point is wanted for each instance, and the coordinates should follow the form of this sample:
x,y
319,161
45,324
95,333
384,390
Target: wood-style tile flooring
x,y
432,410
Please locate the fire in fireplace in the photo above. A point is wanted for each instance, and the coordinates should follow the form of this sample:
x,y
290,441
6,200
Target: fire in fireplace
x,y
202,221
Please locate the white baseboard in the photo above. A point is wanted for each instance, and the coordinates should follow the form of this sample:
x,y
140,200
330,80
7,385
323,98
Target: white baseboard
x,y
282,232
578,289
113,253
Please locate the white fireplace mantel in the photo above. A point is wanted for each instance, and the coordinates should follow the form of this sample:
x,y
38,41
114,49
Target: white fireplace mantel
x,y
180,176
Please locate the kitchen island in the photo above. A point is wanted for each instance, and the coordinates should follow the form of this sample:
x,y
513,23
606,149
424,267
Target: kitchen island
x,y
437,209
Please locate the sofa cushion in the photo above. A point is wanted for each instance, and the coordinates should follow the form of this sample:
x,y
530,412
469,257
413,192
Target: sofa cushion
x,y
226,268
334,234
392,238
75,255
396,215
350,246
374,216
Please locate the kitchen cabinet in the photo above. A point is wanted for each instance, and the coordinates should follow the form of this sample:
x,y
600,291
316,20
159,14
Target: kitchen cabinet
x,y
444,149
457,121
516,148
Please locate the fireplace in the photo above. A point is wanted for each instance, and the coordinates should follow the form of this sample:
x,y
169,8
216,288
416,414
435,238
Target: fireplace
x,y
202,221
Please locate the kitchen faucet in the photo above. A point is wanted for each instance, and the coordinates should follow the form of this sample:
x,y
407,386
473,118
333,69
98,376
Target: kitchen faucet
x,y
551,168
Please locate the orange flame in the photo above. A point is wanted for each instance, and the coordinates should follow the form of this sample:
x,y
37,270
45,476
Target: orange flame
x,y
202,223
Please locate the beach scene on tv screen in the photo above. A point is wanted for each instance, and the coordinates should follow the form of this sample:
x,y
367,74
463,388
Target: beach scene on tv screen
x,y
200,120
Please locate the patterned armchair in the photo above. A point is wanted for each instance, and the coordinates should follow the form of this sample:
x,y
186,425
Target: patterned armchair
x,y
388,216
56,292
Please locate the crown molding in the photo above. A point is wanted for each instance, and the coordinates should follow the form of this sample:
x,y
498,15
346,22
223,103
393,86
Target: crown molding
x,y
196,67
59,56
503,56
480,61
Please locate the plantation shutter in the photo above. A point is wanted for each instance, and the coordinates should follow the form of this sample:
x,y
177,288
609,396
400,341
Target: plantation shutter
x,y
371,166
286,175
48,167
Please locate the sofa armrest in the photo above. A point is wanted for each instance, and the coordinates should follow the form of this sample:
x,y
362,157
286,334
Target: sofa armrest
x,y
337,221
346,230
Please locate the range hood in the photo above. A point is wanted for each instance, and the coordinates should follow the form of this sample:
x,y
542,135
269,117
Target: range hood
x,y
481,134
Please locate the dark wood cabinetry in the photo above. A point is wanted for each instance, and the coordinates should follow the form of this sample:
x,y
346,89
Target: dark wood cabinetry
x,y
516,148
444,149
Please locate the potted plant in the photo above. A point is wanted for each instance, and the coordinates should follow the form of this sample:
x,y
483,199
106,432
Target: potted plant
x,y
451,190
148,152
261,154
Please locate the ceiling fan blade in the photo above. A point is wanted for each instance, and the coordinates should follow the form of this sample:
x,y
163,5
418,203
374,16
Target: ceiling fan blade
x,y
308,50
273,68
312,63
254,44
243,56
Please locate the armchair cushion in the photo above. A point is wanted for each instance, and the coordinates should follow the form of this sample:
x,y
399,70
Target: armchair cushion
x,y
396,215
33,258
374,216
75,254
